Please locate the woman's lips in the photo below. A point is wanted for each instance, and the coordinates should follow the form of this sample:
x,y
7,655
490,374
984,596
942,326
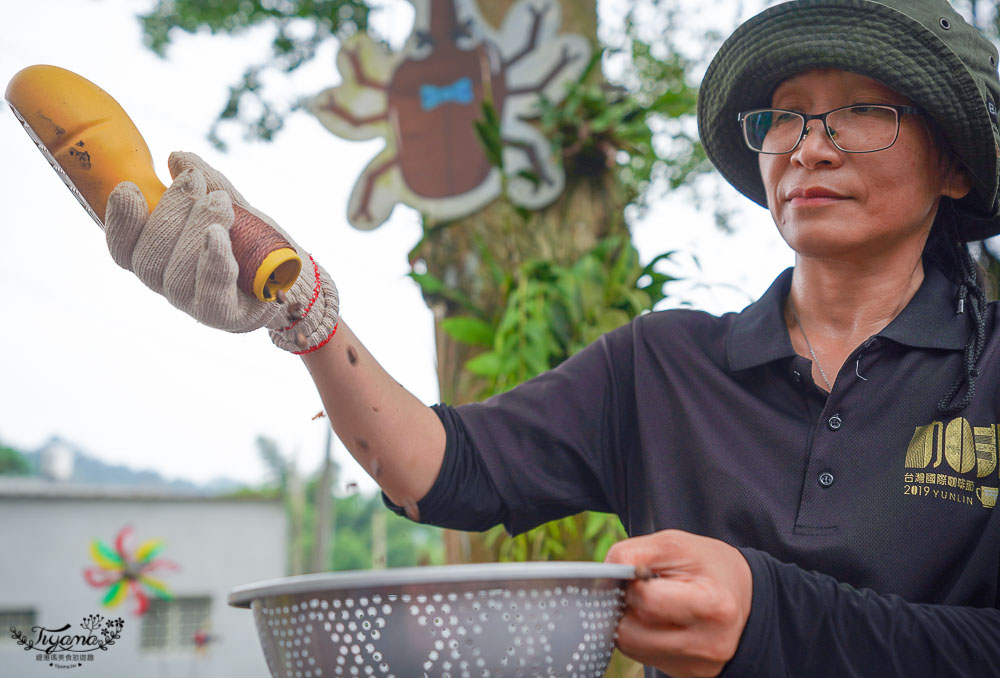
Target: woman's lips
x,y
814,197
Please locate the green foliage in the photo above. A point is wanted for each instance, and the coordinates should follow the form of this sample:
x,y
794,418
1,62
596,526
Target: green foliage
x,y
637,132
249,492
587,536
433,286
598,127
407,543
13,463
300,28
328,18
550,312
490,135
469,330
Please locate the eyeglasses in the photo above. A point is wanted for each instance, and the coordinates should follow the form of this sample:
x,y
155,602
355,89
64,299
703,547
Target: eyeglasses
x,y
861,128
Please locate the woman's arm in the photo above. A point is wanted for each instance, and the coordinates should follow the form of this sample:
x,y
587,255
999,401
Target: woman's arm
x,y
713,610
183,250
807,623
396,438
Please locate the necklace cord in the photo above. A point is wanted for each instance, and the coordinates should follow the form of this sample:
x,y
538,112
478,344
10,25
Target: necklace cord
x,y
809,346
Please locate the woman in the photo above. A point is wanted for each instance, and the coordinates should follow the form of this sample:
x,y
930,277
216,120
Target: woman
x,y
812,479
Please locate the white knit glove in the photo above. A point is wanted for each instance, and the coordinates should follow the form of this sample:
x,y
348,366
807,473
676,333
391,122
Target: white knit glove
x,y
182,251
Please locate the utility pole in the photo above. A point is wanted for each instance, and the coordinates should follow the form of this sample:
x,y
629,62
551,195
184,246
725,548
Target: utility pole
x,y
296,512
379,539
321,556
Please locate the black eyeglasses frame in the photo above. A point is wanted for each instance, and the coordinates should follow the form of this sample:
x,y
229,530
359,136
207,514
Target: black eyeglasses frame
x,y
806,117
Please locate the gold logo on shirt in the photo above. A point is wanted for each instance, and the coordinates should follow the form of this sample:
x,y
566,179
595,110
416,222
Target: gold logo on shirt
x,y
987,495
952,458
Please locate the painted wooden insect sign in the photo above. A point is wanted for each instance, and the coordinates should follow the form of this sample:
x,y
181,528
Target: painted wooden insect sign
x,y
425,98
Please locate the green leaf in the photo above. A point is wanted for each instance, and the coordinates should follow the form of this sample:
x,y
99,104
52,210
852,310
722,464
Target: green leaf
x,y
498,275
493,535
530,176
603,545
637,301
469,330
485,364
511,363
596,522
430,285
554,548
648,268
536,359
611,116
490,114
612,318
569,527
490,136
675,104
491,143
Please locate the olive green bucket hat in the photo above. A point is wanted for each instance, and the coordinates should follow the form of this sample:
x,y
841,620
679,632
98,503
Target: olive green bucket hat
x,y
923,49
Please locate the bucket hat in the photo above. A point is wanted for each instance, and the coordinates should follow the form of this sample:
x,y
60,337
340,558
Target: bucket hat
x,y
922,49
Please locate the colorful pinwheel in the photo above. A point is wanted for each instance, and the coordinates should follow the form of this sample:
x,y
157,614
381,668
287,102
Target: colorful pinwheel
x,y
124,574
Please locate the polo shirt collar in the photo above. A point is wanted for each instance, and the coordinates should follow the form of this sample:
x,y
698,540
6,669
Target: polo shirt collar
x,y
930,320
759,334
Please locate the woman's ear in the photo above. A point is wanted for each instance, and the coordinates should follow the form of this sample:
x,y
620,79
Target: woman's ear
x,y
957,183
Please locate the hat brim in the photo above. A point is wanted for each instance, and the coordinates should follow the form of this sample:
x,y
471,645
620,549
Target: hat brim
x,y
854,35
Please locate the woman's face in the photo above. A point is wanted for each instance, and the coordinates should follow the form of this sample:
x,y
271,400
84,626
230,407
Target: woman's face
x,y
831,204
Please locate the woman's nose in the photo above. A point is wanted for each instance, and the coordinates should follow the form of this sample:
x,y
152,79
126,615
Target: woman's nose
x,y
816,147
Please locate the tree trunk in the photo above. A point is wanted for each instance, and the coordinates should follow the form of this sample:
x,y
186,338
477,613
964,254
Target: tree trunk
x,y
578,16
589,209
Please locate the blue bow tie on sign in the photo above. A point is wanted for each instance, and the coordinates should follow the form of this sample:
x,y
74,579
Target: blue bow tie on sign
x,y
432,96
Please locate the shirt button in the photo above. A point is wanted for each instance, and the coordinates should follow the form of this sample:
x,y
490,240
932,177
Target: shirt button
x,y
834,422
797,375
826,479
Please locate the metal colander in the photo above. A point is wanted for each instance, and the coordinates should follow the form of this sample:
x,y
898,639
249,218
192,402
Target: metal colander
x,y
500,620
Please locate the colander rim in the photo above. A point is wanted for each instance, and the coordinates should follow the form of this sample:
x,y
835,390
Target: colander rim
x,y
243,596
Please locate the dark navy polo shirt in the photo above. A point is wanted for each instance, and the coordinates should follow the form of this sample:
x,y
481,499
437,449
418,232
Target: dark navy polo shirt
x,y
713,425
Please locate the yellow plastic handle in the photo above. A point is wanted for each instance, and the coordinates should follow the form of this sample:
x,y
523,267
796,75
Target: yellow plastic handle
x,y
93,145
86,132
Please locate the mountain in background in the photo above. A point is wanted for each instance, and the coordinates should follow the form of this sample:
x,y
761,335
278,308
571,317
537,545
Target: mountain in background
x,y
63,461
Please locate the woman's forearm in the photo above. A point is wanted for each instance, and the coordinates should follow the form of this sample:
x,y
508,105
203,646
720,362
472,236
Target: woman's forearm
x,y
396,438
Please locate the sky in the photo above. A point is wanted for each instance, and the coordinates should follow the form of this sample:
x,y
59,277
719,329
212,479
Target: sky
x,y
92,356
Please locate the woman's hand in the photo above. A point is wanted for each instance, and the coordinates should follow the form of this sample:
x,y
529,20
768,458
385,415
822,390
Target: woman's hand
x,y
687,619
183,251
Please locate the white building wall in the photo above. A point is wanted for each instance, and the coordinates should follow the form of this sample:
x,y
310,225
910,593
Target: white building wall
x,y
218,544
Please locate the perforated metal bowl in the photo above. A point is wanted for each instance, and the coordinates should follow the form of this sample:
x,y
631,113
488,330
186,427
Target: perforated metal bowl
x,y
501,620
